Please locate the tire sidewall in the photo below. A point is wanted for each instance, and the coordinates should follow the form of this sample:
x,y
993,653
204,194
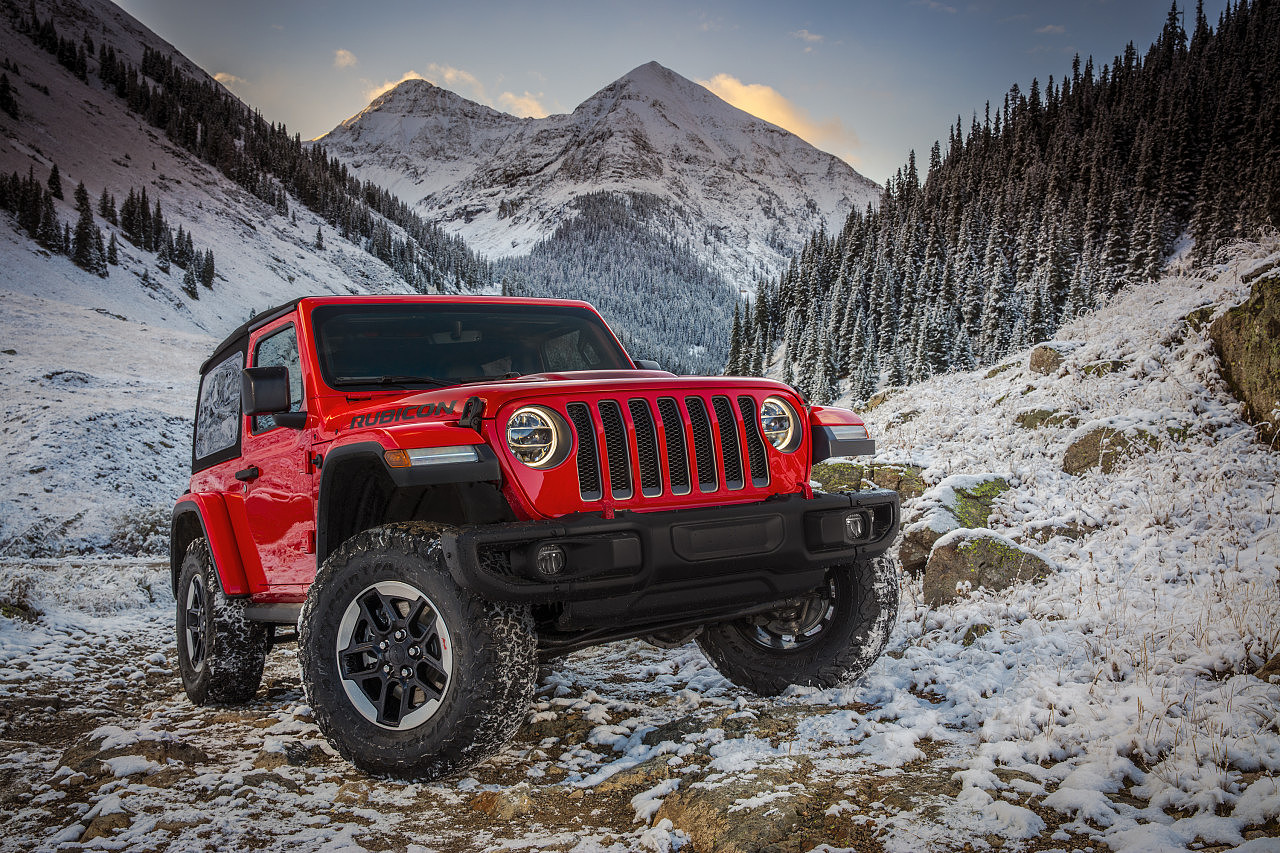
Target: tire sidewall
x,y
196,569
866,607
363,742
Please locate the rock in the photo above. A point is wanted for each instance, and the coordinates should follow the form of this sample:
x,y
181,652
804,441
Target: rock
x,y
1001,368
726,818
880,397
1248,342
838,476
978,558
87,756
104,825
1199,318
505,804
1269,669
906,480
1034,418
1101,368
1045,359
646,774
958,501
1105,448
850,476
291,752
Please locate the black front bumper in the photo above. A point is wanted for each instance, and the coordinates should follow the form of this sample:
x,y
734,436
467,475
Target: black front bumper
x,y
668,567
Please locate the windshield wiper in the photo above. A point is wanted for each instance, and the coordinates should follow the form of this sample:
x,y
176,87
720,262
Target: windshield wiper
x,y
396,379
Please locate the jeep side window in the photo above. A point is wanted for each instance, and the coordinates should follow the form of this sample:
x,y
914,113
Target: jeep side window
x,y
218,410
280,348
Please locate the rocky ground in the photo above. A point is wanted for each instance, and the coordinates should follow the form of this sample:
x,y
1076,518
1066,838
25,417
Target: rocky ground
x,y
628,747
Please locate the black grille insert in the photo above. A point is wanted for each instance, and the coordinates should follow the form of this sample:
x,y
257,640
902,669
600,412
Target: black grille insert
x,y
756,456
677,458
615,444
646,448
703,449
729,451
588,458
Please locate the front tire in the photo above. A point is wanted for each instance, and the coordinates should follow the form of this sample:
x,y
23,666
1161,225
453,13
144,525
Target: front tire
x,y
220,652
408,674
822,640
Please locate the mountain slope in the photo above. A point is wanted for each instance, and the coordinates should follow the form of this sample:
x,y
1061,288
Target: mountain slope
x,y
745,192
103,370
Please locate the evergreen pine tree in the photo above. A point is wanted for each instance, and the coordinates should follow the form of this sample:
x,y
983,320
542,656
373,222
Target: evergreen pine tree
x,y
189,284
8,103
49,231
206,270
55,182
113,252
319,239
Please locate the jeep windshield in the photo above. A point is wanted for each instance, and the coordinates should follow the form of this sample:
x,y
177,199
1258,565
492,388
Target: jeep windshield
x,y
437,345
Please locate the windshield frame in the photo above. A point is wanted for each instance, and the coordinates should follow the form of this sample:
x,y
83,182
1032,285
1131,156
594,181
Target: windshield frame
x,y
611,354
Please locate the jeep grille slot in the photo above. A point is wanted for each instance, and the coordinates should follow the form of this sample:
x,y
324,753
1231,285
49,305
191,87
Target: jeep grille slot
x,y
646,448
616,446
730,453
703,450
756,456
588,458
677,458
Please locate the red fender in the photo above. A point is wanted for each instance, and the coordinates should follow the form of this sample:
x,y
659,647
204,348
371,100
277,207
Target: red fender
x,y
211,510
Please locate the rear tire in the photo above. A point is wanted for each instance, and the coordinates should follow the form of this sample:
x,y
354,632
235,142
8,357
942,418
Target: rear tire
x,y
220,652
408,674
828,638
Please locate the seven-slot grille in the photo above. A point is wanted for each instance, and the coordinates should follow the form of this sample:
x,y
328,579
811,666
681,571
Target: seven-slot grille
x,y
679,442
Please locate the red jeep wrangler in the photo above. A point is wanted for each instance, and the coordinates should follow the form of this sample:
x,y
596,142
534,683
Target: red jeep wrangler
x,y
438,491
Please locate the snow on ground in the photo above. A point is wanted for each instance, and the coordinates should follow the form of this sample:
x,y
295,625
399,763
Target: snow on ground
x,y
1112,706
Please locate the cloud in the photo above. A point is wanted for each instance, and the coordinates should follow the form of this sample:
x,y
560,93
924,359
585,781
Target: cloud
x,y
344,59
1051,30
935,6
229,80
805,35
525,106
767,103
454,79
375,91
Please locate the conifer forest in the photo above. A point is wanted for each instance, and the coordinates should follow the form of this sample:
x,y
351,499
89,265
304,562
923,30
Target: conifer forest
x,y
1040,209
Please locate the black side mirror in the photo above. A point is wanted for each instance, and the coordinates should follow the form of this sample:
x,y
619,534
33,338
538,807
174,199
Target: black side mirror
x,y
264,390
646,364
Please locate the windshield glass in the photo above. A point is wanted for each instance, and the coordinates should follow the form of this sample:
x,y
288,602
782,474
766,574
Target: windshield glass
x,y
431,345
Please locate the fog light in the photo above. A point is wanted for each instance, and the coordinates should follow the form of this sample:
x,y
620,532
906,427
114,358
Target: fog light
x,y
551,560
855,527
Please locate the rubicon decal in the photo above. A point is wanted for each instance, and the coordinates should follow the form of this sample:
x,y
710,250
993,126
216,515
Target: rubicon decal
x,y
400,415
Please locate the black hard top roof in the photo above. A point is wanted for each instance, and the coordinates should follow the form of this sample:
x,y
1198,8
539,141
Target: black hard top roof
x,y
236,338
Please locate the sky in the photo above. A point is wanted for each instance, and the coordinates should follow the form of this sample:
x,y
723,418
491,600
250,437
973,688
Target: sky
x,y
866,80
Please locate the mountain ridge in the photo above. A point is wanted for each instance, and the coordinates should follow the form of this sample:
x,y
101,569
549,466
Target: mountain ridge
x,y
505,183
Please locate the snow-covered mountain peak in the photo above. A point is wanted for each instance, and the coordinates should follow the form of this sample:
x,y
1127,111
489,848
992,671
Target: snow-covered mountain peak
x,y
745,191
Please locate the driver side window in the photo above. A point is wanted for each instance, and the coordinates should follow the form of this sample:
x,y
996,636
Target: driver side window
x,y
280,349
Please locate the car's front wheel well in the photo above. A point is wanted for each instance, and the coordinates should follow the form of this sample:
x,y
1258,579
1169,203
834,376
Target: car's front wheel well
x,y
357,494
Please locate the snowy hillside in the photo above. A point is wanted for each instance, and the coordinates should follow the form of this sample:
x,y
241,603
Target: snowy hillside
x,y
102,371
1114,705
742,192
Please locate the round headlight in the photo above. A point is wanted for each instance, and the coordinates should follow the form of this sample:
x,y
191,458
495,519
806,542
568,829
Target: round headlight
x,y
536,437
778,422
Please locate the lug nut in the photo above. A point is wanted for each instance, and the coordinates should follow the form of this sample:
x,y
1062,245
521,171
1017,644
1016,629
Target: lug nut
x,y
399,635
386,667
414,651
405,672
384,645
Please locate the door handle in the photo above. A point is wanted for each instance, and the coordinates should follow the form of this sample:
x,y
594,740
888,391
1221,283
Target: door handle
x,y
247,474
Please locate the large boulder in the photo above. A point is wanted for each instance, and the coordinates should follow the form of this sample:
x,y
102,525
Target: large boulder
x,y
1045,359
1248,341
959,501
849,477
969,559
1105,447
